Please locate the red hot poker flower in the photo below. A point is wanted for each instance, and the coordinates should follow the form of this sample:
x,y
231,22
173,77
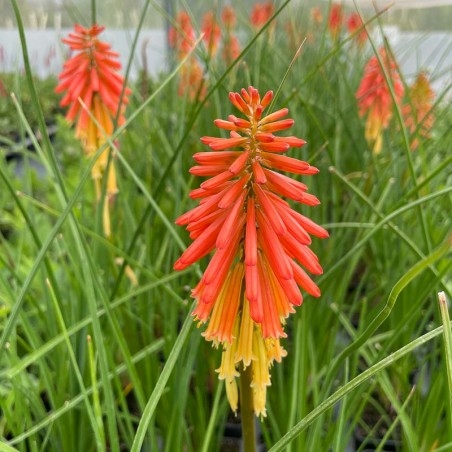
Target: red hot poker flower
x,y
316,15
212,32
374,96
90,77
261,13
192,83
228,17
182,37
335,20
89,74
260,244
355,23
231,49
231,45
417,113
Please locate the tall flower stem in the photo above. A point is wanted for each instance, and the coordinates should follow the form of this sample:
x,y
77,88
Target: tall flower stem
x,y
247,410
93,12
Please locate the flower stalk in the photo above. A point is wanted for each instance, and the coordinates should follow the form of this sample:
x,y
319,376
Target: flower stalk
x,y
247,410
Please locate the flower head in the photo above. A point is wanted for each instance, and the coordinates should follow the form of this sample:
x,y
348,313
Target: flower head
x,y
231,49
259,244
374,96
192,83
231,45
355,23
316,15
91,75
261,13
335,20
93,90
228,17
212,32
182,36
417,113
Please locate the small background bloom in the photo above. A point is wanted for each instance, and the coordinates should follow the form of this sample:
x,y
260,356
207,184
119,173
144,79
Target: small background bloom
x,y
418,110
374,96
96,96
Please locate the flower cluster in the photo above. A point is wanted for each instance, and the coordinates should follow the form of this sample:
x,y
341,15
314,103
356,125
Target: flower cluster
x,y
261,13
182,38
96,95
259,243
212,33
353,23
231,45
374,96
335,20
417,112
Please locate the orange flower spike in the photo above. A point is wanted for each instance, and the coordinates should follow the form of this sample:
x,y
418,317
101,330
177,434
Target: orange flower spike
x,y
86,70
182,36
212,32
374,97
231,49
355,23
231,46
259,244
93,90
192,83
417,113
228,17
261,14
316,15
335,20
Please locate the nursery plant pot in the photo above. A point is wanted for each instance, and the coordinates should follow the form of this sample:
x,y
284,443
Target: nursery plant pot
x,y
232,437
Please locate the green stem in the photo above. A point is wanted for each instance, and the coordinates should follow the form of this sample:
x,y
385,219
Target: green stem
x,y
247,410
93,12
447,343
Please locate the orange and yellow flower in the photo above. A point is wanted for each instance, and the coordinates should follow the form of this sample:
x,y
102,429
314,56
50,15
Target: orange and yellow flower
x,y
182,36
316,15
261,13
259,243
356,25
212,33
335,20
417,113
231,45
231,49
96,95
228,17
192,83
182,39
374,96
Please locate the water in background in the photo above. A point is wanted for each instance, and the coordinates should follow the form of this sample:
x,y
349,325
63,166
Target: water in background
x,y
47,52
414,51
